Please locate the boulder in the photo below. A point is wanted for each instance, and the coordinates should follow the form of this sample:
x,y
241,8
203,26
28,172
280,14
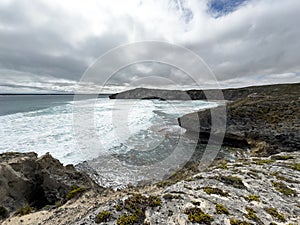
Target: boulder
x,y
26,179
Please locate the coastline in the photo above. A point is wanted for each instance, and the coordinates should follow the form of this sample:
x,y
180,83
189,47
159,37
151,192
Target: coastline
x,y
267,179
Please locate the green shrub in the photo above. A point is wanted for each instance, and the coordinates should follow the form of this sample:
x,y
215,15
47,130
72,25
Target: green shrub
x,y
231,180
169,196
282,157
284,189
196,215
127,220
221,209
273,212
210,190
251,214
103,216
296,166
263,161
234,221
24,210
253,198
75,191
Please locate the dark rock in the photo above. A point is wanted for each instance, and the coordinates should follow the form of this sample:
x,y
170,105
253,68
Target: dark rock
x,y
26,179
268,123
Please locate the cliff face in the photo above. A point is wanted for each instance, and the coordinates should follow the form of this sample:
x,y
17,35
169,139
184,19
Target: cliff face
x,y
26,179
267,121
229,94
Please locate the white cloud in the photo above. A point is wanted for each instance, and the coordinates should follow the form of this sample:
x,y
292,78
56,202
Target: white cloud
x,y
60,39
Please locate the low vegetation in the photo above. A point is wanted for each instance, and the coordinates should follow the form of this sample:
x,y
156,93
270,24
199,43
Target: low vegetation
x,y
75,192
221,209
136,206
251,214
273,212
24,210
232,180
234,221
284,189
296,166
253,198
103,216
216,191
196,215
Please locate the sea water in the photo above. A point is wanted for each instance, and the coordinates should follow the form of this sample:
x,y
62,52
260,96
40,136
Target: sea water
x,y
126,129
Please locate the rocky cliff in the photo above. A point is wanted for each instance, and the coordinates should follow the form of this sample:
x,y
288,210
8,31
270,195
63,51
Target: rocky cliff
x,y
249,191
268,122
28,181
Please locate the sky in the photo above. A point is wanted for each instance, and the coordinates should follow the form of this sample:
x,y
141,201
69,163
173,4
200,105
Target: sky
x,y
47,45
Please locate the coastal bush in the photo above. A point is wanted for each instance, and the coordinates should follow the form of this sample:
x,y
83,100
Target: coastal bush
x,y
3,212
284,189
282,157
253,198
127,220
221,209
75,191
273,212
231,180
196,215
118,207
234,221
136,205
286,179
24,210
263,161
169,196
251,214
210,190
296,166
103,216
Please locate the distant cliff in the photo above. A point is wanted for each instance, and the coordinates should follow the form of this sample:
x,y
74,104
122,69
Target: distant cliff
x,y
229,94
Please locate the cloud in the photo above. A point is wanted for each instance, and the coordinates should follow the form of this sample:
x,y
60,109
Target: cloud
x,y
240,40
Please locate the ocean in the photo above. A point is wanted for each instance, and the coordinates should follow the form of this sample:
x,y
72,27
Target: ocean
x,y
136,132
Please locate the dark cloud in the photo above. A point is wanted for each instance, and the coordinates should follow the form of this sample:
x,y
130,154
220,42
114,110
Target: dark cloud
x,y
60,39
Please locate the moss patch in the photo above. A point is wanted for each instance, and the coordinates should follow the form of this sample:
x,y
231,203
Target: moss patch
x,y
253,198
196,215
251,214
75,191
296,166
282,157
210,190
286,179
234,221
273,212
127,220
263,161
170,196
136,206
103,216
284,189
221,209
231,180
24,210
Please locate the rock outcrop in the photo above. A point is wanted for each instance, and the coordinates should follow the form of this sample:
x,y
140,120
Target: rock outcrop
x,y
267,122
26,179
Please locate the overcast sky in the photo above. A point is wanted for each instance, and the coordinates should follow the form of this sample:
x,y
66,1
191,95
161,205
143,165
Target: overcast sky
x,y
46,45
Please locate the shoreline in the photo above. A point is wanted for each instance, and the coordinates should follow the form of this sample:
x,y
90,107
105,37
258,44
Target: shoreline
x,y
257,188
